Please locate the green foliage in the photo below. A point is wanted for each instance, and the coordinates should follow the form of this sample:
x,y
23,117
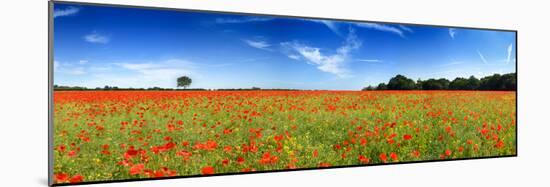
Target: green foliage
x,y
401,82
459,84
435,84
369,88
499,82
184,81
382,86
493,82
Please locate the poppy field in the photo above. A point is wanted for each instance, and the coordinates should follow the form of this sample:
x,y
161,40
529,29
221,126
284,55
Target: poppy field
x,y
117,135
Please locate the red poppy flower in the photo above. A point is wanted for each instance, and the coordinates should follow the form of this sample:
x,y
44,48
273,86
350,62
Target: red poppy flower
x,y
105,152
268,159
208,170
315,153
72,153
227,148
407,137
136,169
324,164
168,172
364,159
61,148
240,160
383,157
363,141
158,174
448,152
278,137
448,129
247,169
393,156
415,153
76,178
185,143
61,177
225,162
130,153
499,144
168,146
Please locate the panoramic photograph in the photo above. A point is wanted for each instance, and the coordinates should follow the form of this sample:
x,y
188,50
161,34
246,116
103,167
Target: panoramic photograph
x,y
141,93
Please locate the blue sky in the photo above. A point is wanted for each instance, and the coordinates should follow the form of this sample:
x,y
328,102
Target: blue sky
x,y
127,47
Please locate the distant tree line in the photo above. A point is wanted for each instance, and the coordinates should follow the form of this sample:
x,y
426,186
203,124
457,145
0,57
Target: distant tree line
x,y
492,82
77,88
80,88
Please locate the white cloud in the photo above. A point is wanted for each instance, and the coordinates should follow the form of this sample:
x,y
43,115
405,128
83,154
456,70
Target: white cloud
x,y
369,60
482,57
68,68
382,27
295,57
509,56
329,24
139,66
100,69
82,62
335,63
143,74
332,26
242,20
260,44
452,32
65,12
96,38
148,74
399,30
405,28
76,71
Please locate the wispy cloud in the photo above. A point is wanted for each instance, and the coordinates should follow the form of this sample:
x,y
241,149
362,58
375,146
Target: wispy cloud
x,y
452,32
146,74
295,57
260,44
68,68
369,60
329,24
405,28
335,63
95,37
242,20
508,59
384,27
76,71
509,55
482,57
65,12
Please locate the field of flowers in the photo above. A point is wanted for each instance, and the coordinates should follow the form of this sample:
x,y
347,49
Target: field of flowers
x,y
114,135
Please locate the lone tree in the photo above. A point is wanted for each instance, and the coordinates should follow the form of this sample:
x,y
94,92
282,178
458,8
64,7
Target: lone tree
x,y
184,81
